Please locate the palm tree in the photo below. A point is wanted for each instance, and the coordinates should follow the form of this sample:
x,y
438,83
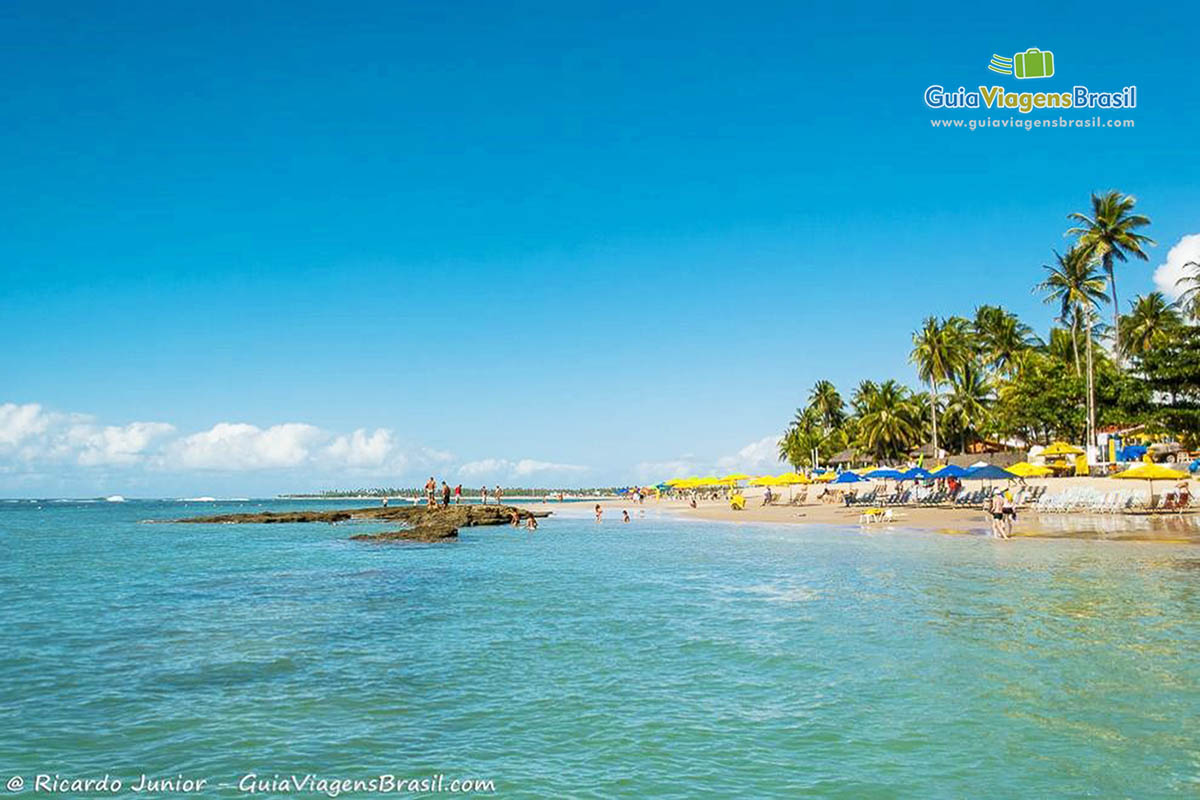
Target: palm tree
x,y
1078,288
1000,336
969,403
1189,301
889,427
827,403
1110,235
1150,323
863,395
940,350
802,439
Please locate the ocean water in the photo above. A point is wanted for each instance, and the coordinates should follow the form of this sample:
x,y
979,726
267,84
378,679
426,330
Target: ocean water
x,y
655,659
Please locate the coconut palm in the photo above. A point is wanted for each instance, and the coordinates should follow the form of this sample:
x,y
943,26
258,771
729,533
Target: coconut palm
x,y
999,336
1150,323
969,402
860,401
825,401
1076,285
1110,235
1189,301
889,427
940,350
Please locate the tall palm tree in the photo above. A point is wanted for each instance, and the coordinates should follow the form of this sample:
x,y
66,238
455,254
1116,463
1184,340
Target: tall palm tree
x,y
889,427
1150,323
864,393
999,336
1189,301
969,403
1110,235
940,350
827,403
1076,285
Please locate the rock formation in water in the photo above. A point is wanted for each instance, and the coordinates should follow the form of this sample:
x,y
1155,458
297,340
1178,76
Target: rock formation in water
x,y
421,524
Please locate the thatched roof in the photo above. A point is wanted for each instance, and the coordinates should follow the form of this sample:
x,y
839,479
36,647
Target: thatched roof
x,y
844,457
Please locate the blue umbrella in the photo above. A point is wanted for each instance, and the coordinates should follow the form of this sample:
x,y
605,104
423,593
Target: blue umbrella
x,y
990,472
915,473
884,473
951,471
847,477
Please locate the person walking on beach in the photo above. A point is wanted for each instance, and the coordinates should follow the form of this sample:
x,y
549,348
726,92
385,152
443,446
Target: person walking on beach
x,y
996,509
445,495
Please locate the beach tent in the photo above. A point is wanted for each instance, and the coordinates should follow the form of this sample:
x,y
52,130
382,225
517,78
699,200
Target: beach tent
x,y
1152,473
950,471
1027,470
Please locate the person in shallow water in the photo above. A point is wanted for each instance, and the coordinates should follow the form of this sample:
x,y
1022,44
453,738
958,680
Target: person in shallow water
x,y
599,512
1009,510
624,516
996,509
531,523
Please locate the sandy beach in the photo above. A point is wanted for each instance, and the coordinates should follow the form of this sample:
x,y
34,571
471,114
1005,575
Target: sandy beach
x,y
1170,527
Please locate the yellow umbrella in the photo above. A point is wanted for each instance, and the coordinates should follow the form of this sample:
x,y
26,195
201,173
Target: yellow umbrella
x,y
737,476
791,479
1062,449
1027,470
1151,473
826,477
675,481
763,480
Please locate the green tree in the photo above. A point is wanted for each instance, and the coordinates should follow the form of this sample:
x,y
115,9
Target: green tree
x,y
825,401
1150,323
1042,402
1110,234
1000,337
940,349
889,426
1074,283
968,406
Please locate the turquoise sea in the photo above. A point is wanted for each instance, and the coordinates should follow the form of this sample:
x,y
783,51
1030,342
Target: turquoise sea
x,y
661,658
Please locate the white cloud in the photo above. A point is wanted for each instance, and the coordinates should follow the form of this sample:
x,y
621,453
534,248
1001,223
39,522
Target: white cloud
x,y
240,446
18,423
1167,275
362,450
504,469
758,456
114,444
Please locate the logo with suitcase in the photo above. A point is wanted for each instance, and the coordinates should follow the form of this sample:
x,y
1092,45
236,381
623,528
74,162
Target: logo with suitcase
x,y
1033,63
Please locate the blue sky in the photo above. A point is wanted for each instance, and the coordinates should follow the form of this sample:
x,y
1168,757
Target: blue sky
x,y
528,242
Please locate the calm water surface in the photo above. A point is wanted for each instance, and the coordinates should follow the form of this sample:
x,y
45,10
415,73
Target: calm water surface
x,y
660,658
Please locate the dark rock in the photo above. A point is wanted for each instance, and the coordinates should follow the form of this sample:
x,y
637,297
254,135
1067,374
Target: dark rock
x,y
423,524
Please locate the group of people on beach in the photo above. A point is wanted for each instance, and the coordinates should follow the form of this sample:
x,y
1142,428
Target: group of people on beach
x,y
600,514
1004,513
456,493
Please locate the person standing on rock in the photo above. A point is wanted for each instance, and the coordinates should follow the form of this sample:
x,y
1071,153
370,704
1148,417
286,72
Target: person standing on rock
x,y
499,495
445,495
483,494
458,494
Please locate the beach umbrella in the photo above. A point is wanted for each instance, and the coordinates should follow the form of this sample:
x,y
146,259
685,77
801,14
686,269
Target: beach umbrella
x,y
950,471
847,477
989,472
915,473
737,476
791,479
763,480
675,481
826,477
1027,470
1151,473
1062,449
886,474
